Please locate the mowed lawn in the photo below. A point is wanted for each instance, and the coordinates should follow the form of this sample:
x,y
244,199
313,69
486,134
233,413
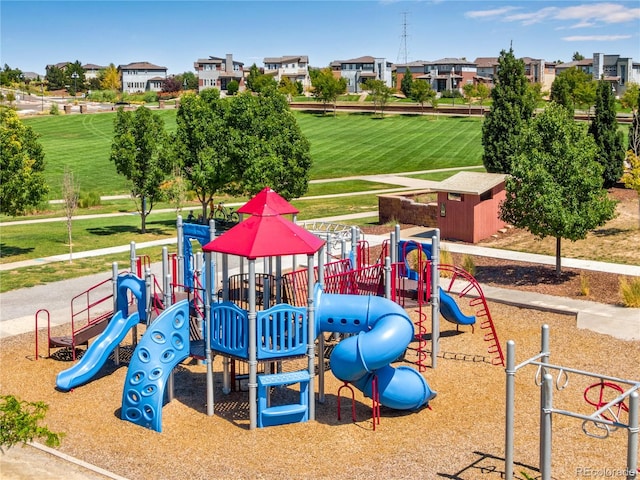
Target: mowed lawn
x,y
344,145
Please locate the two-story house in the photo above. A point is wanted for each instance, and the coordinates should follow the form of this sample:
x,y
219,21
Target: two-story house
x,y
91,70
217,72
142,77
617,70
358,70
293,67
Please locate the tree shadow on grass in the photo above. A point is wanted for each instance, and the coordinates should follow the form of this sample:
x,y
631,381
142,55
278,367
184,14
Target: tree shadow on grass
x,y
12,250
119,229
529,275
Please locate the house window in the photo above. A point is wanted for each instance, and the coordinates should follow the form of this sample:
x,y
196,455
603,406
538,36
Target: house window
x,y
456,197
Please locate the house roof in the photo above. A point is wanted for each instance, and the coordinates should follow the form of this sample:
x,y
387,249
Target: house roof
x,y
92,66
287,58
451,61
475,183
587,62
486,62
141,66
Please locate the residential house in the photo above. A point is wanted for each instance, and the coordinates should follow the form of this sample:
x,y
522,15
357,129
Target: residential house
x,y
585,65
617,70
91,70
293,67
486,69
217,72
358,70
449,74
142,77
416,68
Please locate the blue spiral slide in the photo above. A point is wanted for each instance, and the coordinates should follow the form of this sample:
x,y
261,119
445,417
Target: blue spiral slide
x,y
383,330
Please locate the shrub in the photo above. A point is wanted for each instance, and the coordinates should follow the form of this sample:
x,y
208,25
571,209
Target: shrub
x,y
19,422
630,292
469,264
150,97
54,110
446,259
89,199
585,287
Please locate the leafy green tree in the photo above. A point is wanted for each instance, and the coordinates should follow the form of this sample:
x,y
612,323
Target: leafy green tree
x,y
264,83
191,79
287,88
75,84
483,92
19,422
270,149
469,91
202,145
326,87
22,183
136,152
577,56
380,94
407,83
9,76
572,88
512,108
634,129
629,98
555,187
609,140
422,92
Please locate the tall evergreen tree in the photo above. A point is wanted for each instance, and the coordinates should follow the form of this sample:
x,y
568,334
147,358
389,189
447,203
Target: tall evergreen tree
x,y
634,130
512,108
609,140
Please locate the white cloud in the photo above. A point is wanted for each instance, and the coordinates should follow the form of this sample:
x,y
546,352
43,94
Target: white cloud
x,y
595,38
496,12
585,15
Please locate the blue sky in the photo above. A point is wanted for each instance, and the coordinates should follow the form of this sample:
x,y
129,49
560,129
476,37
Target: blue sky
x,y
174,34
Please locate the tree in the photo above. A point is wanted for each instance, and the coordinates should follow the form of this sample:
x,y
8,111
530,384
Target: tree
x,y
407,83
202,145
326,87
9,76
631,177
555,187
270,149
380,94
483,92
422,92
512,108
634,129
287,88
609,140
22,183
232,87
254,73
75,78
191,79
629,98
135,150
469,91
70,195
55,77
577,57
572,88
172,84
110,78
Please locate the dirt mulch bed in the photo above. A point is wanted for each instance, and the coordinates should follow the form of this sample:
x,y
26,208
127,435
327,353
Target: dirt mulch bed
x,y
461,436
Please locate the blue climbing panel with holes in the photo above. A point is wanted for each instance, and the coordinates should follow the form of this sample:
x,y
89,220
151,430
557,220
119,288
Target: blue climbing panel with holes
x,y
163,346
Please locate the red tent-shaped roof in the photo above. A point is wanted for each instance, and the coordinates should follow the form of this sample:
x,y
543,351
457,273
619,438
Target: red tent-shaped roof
x,y
267,197
266,235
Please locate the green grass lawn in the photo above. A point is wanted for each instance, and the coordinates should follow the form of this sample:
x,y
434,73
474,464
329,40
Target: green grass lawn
x,y
344,145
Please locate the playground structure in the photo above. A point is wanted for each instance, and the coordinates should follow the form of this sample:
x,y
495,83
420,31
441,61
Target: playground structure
x,y
612,404
266,318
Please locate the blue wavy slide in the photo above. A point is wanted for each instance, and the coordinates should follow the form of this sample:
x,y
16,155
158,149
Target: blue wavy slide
x,y
451,312
384,330
98,352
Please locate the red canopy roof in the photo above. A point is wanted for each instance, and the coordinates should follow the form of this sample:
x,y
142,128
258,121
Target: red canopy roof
x,y
267,197
267,235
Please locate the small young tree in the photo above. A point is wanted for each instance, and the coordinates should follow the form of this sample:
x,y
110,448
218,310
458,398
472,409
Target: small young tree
x,y
634,129
70,195
232,87
380,94
469,91
326,87
609,140
483,92
555,187
422,92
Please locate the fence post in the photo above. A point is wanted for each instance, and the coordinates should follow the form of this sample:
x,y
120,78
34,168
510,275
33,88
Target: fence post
x,y
510,410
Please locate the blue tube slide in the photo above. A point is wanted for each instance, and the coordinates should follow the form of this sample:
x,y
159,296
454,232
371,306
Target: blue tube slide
x,y
98,352
163,346
451,312
384,330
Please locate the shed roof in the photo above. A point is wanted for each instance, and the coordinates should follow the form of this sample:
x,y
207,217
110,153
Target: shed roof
x,y
475,183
